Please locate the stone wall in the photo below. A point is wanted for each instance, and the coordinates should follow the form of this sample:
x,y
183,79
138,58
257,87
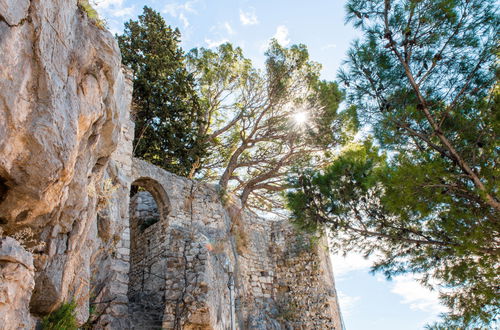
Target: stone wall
x,y
183,262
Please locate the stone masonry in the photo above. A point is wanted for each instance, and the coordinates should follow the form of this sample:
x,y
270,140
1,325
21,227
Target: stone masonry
x,y
182,257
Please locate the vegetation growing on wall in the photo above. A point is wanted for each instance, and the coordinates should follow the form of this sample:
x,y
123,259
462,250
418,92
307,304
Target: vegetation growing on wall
x,y
62,318
92,14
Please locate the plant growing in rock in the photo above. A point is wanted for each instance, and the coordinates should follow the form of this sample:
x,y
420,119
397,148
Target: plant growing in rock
x,y
62,318
92,14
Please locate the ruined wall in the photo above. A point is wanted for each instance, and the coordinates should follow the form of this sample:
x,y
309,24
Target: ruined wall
x,y
183,263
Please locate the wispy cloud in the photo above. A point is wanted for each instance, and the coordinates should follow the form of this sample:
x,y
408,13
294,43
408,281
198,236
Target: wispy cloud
x,y
180,10
281,35
352,262
347,303
416,295
248,17
114,12
228,28
214,43
128,11
105,4
222,28
113,8
174,9
184,20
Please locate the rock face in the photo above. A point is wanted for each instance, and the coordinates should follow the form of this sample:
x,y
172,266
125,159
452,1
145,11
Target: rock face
x,y
17,281
172,256
63,98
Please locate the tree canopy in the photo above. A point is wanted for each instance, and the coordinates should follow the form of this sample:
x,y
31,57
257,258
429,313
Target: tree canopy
x,y
425,198
168,115
261,123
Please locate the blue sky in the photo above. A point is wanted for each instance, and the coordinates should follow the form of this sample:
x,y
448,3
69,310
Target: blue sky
x,y
367,301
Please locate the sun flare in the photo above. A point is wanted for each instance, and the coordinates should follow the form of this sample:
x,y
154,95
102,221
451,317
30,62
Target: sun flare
x,y
300,118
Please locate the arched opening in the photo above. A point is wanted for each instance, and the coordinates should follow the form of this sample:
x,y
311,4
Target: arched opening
x,y
149,208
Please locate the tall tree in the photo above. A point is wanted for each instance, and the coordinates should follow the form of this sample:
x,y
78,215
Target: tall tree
x,y
261,123
168,114
424,78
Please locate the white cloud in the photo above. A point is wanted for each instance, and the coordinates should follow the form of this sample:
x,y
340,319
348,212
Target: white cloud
x,y
176,9
416,295
281,35
107,8
123,12
228,28
347,303
105,4
222,29
352,262
214,43
184,20
248,18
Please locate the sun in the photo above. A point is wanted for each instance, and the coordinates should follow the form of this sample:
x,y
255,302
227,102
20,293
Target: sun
x,y
300,118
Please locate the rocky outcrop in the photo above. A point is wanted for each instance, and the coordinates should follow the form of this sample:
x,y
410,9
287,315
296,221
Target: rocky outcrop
x,y
63,98
17,280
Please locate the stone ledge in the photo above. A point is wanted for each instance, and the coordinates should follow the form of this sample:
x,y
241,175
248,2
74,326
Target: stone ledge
x,y
12,251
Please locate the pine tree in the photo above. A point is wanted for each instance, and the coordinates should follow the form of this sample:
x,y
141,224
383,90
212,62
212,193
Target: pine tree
x,y
424,79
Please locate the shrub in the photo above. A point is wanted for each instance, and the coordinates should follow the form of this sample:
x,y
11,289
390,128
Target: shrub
x,y
26,238
61,319
92,14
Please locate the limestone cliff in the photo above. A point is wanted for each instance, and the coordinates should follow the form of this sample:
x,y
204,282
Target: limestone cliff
x,y
62,100
143,247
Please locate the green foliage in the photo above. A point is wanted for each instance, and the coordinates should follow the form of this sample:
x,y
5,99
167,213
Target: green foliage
x,y
61,319
253,139
372,205
424,79
168,115
92,14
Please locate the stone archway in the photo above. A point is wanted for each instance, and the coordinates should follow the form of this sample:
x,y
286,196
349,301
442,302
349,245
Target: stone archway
x,y
149,208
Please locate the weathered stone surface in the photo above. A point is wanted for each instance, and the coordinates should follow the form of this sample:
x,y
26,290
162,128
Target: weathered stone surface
x,y
63,98
16,284
183,262
13,12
